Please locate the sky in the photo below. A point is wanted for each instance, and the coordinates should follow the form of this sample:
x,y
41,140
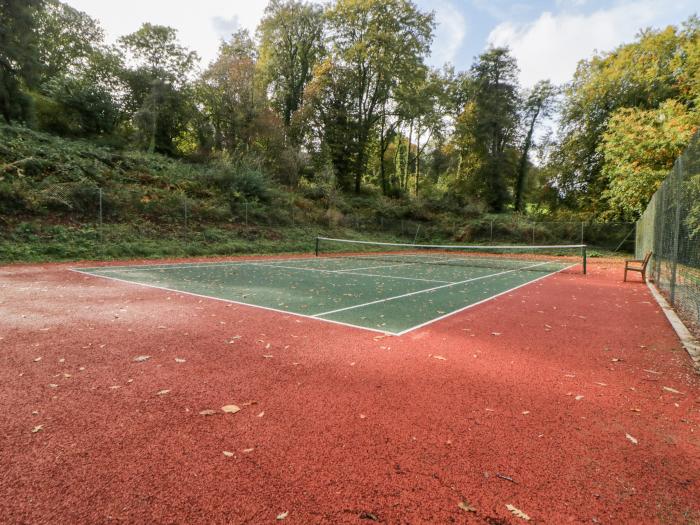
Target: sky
x,y
547,37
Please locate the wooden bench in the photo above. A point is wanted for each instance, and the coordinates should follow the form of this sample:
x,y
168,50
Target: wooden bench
x,y
638,265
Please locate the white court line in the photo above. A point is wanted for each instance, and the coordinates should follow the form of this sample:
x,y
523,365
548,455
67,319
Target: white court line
x,y
177,266
427,290
286,312
350,271
260,262
431,321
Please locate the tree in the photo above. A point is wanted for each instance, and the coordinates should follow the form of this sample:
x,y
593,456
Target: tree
x,y
486,130
538,105
158,83
18,60
228,92
290,46
639,149
67,39
375,45
642,74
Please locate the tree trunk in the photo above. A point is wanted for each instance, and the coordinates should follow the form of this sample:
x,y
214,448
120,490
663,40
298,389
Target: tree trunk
x,y
522,166
417,170
154,112
382,149
408,157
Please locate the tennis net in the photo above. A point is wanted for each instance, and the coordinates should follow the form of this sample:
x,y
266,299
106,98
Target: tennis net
x,y
545,259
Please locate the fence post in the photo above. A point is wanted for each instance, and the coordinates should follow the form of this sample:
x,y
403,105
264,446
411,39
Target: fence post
x,y
415,239
246,214
677,230
185,219
491,237
99,191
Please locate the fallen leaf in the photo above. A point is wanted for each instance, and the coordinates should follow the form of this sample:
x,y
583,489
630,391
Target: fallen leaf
x,y
207,412
230,409
247,450
261,414
464,505
496,333
37,359
632,439
52,385
517,512
268,356
228,454
282,515
578,398
179,360
37,428
672,390
142,358
368,516
162,392
440,358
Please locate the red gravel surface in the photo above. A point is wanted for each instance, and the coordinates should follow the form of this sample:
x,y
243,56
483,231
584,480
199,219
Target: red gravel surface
x,y
569,399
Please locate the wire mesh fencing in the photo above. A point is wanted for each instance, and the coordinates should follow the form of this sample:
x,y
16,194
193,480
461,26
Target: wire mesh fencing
x,y
670,229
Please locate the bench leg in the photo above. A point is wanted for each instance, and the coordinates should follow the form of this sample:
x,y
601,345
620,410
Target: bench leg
x,y
625,279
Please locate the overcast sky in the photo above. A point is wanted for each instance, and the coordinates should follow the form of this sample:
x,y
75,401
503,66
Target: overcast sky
x,y
548,37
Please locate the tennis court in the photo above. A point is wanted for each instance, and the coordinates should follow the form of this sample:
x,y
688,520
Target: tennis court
x,y
390,288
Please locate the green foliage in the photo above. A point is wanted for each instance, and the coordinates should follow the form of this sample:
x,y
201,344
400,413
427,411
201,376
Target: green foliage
x,y
18,56
374,46
639,148
67,40
290,46
659,66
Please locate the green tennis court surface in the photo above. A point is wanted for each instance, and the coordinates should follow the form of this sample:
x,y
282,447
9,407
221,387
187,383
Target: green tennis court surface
x,y
391,296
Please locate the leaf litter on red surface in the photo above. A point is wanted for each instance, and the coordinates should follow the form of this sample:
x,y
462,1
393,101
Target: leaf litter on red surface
x,y
282,515
632,439
672,390
465,506
207,412
37,428
142,358
228,454
162,392
517,512
230,409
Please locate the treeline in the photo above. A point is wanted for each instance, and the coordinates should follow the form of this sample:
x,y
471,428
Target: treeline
x,y
342,97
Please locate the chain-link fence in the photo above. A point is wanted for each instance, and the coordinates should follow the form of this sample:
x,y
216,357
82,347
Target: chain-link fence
x,y
78,220
670,229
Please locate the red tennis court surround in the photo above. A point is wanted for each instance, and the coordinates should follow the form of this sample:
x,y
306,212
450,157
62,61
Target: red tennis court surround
x,y
568,400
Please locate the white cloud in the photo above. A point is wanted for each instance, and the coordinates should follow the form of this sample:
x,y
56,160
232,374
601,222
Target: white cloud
x,y
200,25
449,34
551,46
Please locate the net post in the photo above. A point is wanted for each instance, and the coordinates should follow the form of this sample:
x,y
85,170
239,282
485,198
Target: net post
x,y
583,253
317,246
